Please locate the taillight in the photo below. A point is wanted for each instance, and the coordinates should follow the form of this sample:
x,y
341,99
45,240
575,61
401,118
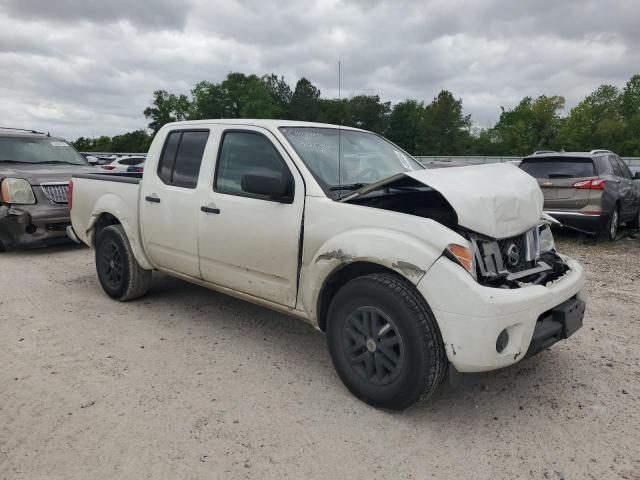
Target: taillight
x,y
108,167
70,194
597,184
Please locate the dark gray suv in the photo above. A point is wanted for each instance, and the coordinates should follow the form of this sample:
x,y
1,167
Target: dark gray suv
x,y
35,170
591,191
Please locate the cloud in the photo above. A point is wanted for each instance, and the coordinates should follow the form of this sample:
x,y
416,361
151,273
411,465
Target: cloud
x,y
90,67
143,14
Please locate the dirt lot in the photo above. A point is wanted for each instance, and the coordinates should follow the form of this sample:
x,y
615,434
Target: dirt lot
x,y
187,383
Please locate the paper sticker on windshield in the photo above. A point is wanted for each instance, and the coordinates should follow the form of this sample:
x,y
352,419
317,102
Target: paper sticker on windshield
x,y
403,159
59,144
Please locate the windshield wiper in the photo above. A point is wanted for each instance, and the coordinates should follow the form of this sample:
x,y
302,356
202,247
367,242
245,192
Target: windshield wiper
x,y
12,161
348,186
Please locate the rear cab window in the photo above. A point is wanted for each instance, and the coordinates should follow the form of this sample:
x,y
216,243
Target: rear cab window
x,y
558,167
182,156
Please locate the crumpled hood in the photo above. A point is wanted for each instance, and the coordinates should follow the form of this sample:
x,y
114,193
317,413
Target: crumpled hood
x,y
36,174
498,199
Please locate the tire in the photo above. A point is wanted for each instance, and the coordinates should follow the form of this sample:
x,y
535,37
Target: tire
x,y
610,230
635,223
398,367
119,273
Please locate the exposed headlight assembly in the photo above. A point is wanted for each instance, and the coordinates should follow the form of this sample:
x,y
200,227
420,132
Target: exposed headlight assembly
x,y
545,237
17,191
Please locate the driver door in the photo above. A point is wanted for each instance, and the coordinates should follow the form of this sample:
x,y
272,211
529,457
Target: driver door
x,y
249,243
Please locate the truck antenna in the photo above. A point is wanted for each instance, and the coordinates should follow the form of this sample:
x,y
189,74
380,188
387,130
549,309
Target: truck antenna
x,y
339,122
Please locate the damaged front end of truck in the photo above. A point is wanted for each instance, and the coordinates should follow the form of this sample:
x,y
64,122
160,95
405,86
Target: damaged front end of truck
x,y
509,237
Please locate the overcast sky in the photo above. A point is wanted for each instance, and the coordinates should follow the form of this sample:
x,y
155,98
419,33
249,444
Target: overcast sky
x,y
89,67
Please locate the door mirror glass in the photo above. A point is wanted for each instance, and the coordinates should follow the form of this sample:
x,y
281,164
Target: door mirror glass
x,y
637,176
274,186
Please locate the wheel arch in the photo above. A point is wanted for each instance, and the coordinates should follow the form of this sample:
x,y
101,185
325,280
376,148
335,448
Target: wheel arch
x,y
112,210
338,278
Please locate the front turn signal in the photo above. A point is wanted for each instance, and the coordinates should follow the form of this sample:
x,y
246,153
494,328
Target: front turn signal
x,y
463,256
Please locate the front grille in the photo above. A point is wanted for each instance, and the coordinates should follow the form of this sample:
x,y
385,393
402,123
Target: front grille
x,y
514,253
56,192
507,256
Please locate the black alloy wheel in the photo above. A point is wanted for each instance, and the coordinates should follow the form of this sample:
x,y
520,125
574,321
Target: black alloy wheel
x,y
374,346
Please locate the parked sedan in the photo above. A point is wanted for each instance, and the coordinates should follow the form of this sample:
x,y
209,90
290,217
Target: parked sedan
x,y
590,191
126,164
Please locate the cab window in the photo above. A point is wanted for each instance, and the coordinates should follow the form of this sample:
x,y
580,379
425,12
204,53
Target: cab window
x,y
181,157
243,152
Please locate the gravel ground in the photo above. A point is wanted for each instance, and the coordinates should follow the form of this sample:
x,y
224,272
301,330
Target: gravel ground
x,y
188,383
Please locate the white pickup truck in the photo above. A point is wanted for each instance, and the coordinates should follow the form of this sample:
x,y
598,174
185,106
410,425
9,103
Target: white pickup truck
x,y
406,269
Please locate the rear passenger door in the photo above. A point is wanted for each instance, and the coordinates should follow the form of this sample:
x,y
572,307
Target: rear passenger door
x,y
170,207
626,188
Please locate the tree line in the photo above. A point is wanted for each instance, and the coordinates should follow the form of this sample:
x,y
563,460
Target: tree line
x,y
609,117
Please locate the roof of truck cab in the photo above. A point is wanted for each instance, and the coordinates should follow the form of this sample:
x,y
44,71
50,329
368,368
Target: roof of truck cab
x,y
266,123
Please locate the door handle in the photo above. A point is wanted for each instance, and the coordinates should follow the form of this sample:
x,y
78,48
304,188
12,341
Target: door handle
x,y
210,209
152,199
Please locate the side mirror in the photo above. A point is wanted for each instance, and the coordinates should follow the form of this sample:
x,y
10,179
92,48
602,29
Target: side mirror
x,y
637,176
275,187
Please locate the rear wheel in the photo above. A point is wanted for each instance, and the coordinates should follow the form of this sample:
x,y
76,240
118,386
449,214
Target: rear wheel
x,y
118,270
635,223
611,228
384,341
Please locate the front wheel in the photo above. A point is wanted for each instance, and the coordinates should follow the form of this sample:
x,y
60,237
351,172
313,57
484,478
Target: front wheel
x,y
118,270
384,341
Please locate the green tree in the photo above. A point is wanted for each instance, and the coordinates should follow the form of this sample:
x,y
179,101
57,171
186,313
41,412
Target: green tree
x,y
596,122
280,92
368,112
209,100
83,144
446,130
333,110
531,125
249,97
630,107
137,141
305,102
630,98
405,124
167,107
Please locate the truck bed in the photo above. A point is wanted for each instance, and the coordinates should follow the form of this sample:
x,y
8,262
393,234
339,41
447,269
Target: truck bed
x,y
124,177
110,194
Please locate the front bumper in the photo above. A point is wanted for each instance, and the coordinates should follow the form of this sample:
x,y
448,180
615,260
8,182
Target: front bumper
x,y
471,316
24,226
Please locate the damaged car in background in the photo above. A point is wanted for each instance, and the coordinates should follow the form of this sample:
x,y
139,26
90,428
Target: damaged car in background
x,y
35,170
408,270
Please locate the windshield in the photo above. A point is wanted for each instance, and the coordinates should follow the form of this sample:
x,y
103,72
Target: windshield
x,y
558,167
38,150
364,157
